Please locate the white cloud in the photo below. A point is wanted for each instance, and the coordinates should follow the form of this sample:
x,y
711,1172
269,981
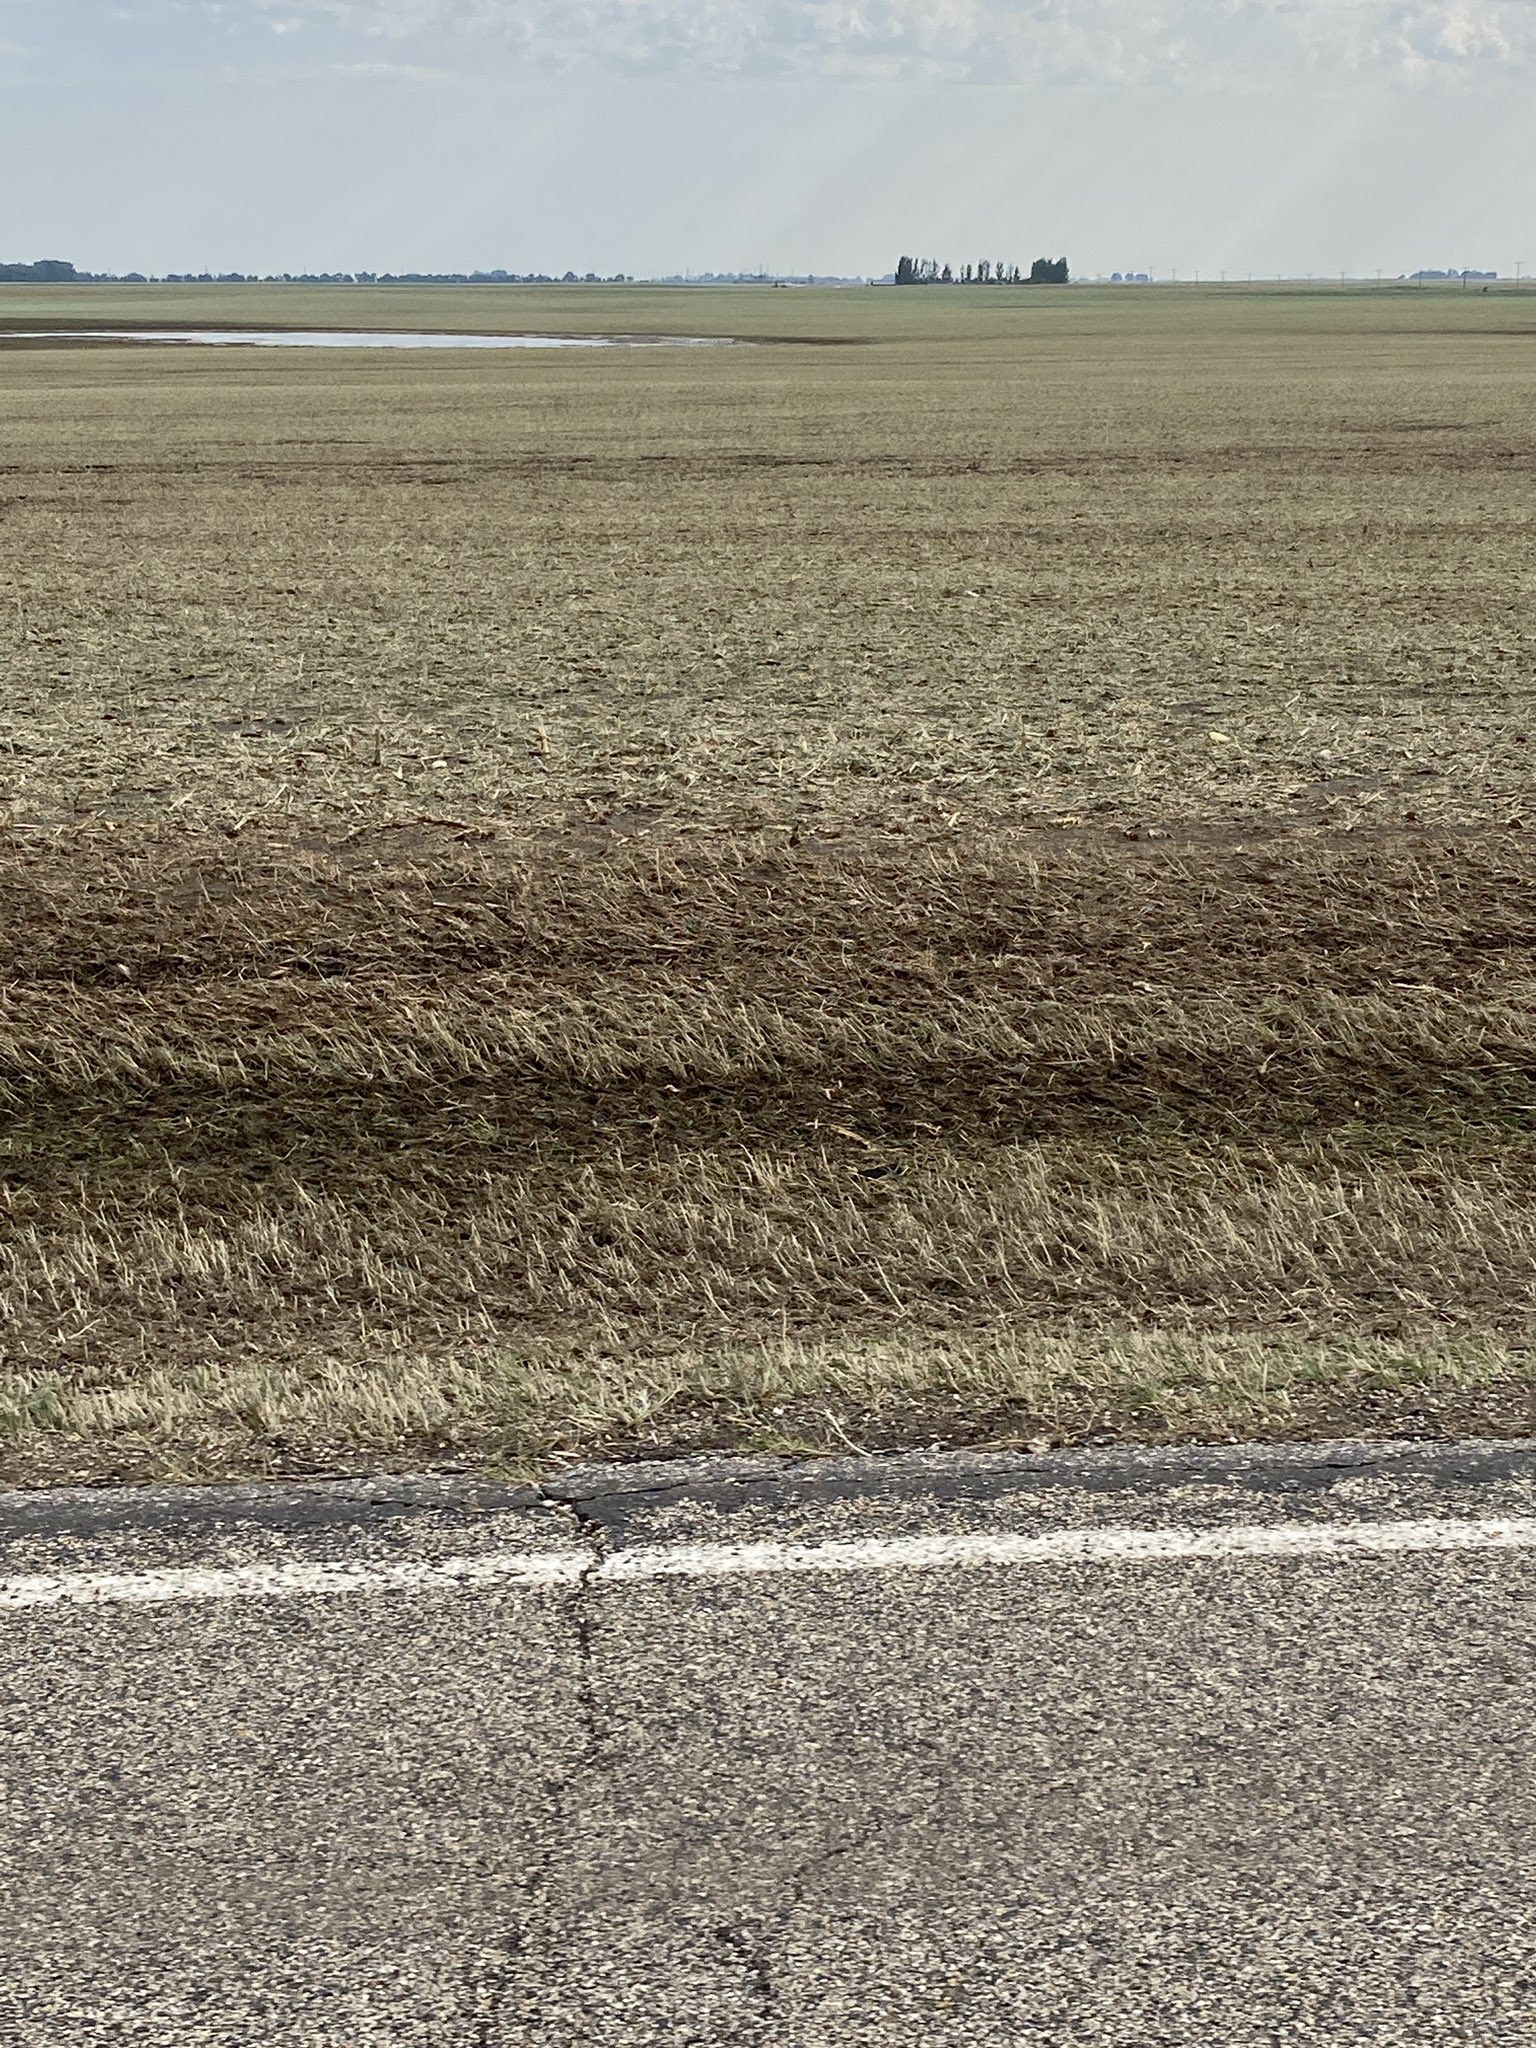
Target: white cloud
x,y
1216,44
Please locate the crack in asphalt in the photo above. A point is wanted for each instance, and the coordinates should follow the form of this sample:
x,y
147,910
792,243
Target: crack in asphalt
x,y
751,1946
496,1985
535,1884
752,1939
594,1533
734,1935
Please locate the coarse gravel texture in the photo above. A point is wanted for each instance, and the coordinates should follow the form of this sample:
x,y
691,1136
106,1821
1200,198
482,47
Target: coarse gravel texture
x,y
1259,1802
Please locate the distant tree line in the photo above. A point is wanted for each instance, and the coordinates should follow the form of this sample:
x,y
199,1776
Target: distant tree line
x,y
52,271
928,270
769,277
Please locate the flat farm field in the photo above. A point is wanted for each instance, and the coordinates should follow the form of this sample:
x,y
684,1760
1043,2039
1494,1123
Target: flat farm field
x,y
962,870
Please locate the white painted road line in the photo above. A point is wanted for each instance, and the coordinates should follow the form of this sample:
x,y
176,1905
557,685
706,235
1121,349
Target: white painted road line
x,y
537,1570
1068,1546
293,1581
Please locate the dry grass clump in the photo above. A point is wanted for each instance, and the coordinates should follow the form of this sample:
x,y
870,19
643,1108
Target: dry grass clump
x,y
972,886
724,1243
291,1129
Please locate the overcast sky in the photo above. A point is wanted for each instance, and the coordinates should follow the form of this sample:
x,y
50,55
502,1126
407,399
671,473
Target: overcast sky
x,y
1272,136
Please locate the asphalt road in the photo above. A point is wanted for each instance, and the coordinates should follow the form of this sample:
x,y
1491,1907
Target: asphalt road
x,y
1215,1747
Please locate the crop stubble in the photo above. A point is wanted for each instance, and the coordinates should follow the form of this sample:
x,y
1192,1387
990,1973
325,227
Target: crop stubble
x,y
970,885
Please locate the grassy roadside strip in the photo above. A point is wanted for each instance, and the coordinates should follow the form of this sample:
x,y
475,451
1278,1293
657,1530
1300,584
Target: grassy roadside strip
x,y
526,1413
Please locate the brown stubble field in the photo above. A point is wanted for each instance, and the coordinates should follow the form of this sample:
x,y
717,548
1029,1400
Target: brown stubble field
x,y
960,873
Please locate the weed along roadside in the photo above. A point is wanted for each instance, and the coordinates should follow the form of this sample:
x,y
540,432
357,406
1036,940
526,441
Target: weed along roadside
x,y
605,902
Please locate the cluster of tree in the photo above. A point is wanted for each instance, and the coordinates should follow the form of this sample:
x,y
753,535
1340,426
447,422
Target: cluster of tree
x,y
49,271
926,270
1452,276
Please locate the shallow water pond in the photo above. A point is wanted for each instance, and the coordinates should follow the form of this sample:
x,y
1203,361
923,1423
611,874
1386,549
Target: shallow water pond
x,y
304,337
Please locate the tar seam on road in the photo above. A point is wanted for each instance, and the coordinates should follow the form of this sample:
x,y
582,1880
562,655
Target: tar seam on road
x,y
1118,1546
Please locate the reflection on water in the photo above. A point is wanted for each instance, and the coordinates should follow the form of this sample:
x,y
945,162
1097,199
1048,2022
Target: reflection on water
x,y
317,338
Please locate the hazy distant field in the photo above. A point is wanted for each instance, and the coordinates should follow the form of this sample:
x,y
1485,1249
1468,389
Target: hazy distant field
x,y
962,871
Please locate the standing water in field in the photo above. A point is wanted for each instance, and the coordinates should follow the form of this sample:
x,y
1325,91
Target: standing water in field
x,y
318,338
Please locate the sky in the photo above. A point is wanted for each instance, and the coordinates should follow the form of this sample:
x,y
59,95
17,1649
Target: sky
x,y
1272,137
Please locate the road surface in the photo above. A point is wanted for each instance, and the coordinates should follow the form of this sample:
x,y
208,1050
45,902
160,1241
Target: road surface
x,y
1146,1749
